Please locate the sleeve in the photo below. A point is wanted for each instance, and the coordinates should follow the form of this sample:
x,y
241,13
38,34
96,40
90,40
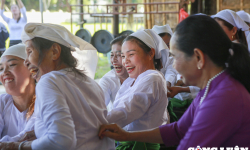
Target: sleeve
x,y
173,133
135,106
171,73
194,90
29,127
104,84
212,123
1,116
6,19
23,11
54,112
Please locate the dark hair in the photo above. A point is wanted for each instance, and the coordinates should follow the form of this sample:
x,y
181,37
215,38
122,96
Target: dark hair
x,y
163,34
240,35
205,33
42,45
146,49
118,40
18,19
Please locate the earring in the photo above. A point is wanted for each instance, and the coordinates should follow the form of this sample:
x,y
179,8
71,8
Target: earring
x,y
199,67
232,37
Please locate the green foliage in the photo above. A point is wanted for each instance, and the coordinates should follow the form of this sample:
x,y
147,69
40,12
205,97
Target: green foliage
x,y
102,67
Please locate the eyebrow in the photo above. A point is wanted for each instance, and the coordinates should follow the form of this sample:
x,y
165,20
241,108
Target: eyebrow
x,y
11,59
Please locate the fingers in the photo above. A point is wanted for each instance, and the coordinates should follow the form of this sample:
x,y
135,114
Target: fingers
x,y
110,127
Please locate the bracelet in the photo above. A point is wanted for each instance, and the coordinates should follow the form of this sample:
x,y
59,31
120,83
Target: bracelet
x,y
20,145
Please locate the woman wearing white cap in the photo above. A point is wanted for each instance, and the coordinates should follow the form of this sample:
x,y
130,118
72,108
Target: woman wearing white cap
x,y
17,105
141,102
233,25
70,105
171,75
244,16
111,81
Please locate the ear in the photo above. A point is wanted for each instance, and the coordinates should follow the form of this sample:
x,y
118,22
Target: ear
x,y
234,31
56,51
152,54
200,57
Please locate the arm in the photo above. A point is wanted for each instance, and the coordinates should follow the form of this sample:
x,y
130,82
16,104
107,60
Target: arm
x,y
52,108
177,89
6,19
115,132
171,73
20,4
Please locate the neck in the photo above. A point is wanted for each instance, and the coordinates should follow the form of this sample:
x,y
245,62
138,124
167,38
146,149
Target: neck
x,y
23,100
15,16
123,78
207,74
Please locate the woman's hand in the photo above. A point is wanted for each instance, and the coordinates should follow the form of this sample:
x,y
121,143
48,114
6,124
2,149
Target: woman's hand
x,y
28,136
173,91
9,145
113,131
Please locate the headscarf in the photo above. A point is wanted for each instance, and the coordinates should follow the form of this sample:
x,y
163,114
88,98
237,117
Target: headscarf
x,y
232,18
16,50
84,52
153,40
162,29
243,15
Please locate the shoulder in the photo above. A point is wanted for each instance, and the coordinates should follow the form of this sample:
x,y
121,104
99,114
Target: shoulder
x,y
110,76
151,76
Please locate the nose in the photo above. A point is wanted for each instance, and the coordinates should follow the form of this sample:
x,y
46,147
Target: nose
x,y
26,63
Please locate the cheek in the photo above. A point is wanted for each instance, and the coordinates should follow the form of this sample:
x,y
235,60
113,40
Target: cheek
x,y
120,60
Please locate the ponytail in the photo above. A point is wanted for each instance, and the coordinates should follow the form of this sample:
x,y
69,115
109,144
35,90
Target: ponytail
x,y
241,37
239,64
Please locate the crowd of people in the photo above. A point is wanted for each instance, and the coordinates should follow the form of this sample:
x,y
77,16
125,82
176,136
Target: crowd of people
x,y
52,101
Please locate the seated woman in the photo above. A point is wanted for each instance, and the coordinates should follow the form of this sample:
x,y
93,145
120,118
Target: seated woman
x,y
219,115
70,105
111,81
233,26
169,72
17,105
141,102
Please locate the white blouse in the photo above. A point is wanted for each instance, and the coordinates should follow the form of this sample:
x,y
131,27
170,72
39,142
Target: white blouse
x,y
169,72
13,123
143,105
110,84
69,109
16,28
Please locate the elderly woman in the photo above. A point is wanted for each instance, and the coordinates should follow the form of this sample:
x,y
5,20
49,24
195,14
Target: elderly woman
x,y
17,23
219,115
141,102
70,105
17,105
111,81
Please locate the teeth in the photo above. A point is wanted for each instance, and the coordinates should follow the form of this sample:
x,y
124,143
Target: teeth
x,y
8,80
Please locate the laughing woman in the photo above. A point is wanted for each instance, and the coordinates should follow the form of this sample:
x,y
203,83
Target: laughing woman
x,y
111,81
219,115
70,105
17,106
141,102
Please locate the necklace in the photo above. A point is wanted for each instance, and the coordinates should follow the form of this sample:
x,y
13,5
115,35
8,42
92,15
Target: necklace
x,y
208,84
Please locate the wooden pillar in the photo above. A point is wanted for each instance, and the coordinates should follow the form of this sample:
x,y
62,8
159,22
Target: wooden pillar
x,y
115,21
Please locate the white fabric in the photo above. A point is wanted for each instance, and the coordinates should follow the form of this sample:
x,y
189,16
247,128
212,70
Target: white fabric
x,y
141,106
170,73
70,110
153,40
110,84
243,15
162,29
232,18
16,50
248,42
16,28
13,123
84,52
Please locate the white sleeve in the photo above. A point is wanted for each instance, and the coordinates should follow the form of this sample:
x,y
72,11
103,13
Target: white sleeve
x,y
23,11
1,117
54,111
135,105
104,84
6,19
171,73
194,90
29,127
